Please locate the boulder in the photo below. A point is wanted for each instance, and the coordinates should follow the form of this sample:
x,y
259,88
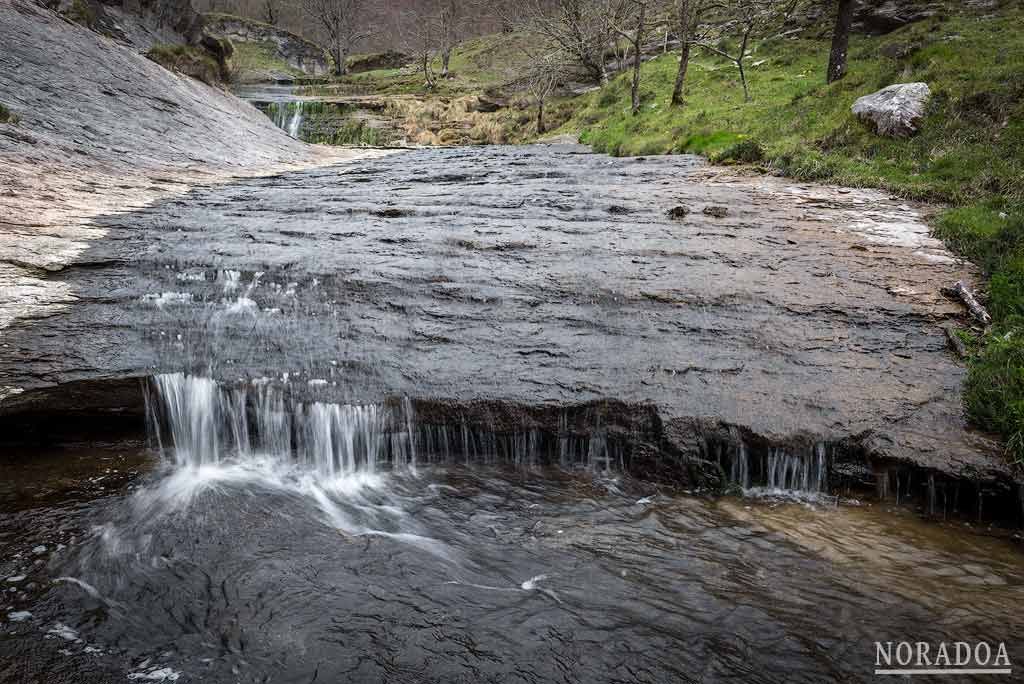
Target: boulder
x,y
878,17
894,111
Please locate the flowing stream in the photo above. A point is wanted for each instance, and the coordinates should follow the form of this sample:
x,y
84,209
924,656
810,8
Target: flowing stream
x,y
257,567
393,410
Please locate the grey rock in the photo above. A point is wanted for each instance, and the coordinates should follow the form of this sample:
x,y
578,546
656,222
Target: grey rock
x,y
878,17
300,54
895,111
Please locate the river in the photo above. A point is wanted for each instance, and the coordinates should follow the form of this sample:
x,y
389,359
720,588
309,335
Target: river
x,y
120,566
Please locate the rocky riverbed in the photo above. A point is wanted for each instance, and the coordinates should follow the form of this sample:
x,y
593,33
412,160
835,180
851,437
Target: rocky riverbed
x,y
164,226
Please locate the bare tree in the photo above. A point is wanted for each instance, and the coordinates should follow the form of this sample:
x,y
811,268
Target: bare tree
x,y
344,25
688,16
421,38
628,19
450,15
576,28
541,79
747,20
272,11
840,41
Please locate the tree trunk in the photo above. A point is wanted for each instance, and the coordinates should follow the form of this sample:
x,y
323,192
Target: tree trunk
x,y
743,80
427,76
684,52
638,58
684,65
840,41
739,63
340,57
540,117
446,58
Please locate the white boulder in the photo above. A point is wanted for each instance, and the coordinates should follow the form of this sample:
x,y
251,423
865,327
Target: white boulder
x,y
895,111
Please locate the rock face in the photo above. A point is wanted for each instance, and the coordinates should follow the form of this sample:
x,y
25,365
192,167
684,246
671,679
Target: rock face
x,y
877,17
894,111
298,53
138,23
103,129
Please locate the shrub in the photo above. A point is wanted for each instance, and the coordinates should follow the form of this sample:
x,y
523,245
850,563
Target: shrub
x,y
189,60
81,13
744,152
7,116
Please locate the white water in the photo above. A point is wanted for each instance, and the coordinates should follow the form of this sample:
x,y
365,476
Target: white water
x,y
199,424
210,425
287,116
780,471
295,121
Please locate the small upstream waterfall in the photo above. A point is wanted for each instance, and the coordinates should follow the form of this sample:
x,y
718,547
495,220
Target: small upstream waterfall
x,y
198,422
287,116
296,120
777,469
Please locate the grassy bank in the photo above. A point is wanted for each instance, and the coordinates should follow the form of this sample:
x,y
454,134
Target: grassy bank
x,y
969,154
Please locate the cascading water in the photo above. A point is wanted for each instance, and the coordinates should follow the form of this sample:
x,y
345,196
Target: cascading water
x,y
296,120
203,423
777,470
287,116
209,424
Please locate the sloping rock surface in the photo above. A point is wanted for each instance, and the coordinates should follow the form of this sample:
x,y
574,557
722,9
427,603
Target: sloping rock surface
x,y
499,274
102,130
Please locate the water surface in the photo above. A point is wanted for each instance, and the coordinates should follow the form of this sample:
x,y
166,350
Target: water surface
x,y
265,572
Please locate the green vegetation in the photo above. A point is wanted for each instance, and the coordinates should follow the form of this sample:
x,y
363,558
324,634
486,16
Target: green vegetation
x,y
189,60
7,116
81,13
969,153
353,132
476,66
261,57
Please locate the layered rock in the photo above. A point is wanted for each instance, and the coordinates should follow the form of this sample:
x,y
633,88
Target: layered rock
x,y
101,129
139,23
287,55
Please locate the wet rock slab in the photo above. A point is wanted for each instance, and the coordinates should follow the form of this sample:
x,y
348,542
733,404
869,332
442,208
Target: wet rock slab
x,y
504,274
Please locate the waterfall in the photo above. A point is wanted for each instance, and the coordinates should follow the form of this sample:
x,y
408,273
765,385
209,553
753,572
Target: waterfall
x,y
777,469
197,422
287,116
296,119
209,425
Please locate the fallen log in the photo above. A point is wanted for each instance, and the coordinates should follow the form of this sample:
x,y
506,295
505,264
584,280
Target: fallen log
x,y
971,302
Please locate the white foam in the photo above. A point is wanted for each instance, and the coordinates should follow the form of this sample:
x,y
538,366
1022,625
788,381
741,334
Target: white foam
x,y
531,584
64,632
19,615
242,305
167,299
162,674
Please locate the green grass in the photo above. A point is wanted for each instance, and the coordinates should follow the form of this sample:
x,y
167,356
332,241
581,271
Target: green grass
x,y
354,133
969,154
260,57
476,66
